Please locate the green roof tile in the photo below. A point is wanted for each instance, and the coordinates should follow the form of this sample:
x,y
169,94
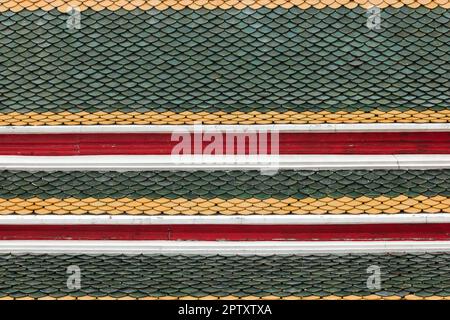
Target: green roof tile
x,y
225,60
159,275
224,184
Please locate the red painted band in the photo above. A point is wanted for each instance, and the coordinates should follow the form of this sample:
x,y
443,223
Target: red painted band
x,y
289,143
227,232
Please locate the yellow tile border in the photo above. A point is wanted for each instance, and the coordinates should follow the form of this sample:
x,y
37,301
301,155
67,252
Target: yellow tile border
x,y
218,206
97,5
331,297
220,117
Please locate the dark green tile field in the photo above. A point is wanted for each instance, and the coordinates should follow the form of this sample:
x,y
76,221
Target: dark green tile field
x,y
225,60
139,276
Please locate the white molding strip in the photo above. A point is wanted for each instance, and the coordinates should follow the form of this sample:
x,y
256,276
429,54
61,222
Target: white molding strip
x,y
268,163
219,220
357,127
216,247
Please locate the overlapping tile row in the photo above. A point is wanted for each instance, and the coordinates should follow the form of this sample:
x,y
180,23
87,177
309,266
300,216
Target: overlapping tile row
x,y
404,276
97,5
220,117
265,65
225,192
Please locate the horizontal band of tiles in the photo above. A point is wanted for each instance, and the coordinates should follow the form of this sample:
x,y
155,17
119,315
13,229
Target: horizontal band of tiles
x,y
165,298
96,190
237,117
64,5
236,206
160,276
189,232
223,143
231,61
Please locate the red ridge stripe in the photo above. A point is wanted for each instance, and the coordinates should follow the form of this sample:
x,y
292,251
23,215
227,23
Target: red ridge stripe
x,y
289,143
227,232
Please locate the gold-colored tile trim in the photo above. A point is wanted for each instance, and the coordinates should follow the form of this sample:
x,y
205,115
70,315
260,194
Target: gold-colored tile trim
x,y
97,5
200,206
254,117
331,297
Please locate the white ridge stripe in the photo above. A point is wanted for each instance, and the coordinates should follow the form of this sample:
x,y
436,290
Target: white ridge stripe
x,y
324,127
217,247
218,220
265,163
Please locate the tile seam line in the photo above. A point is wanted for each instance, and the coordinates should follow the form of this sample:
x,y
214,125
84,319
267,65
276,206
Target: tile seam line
x,y
241,298
165,5
263,248
218,220
300,128
264,163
